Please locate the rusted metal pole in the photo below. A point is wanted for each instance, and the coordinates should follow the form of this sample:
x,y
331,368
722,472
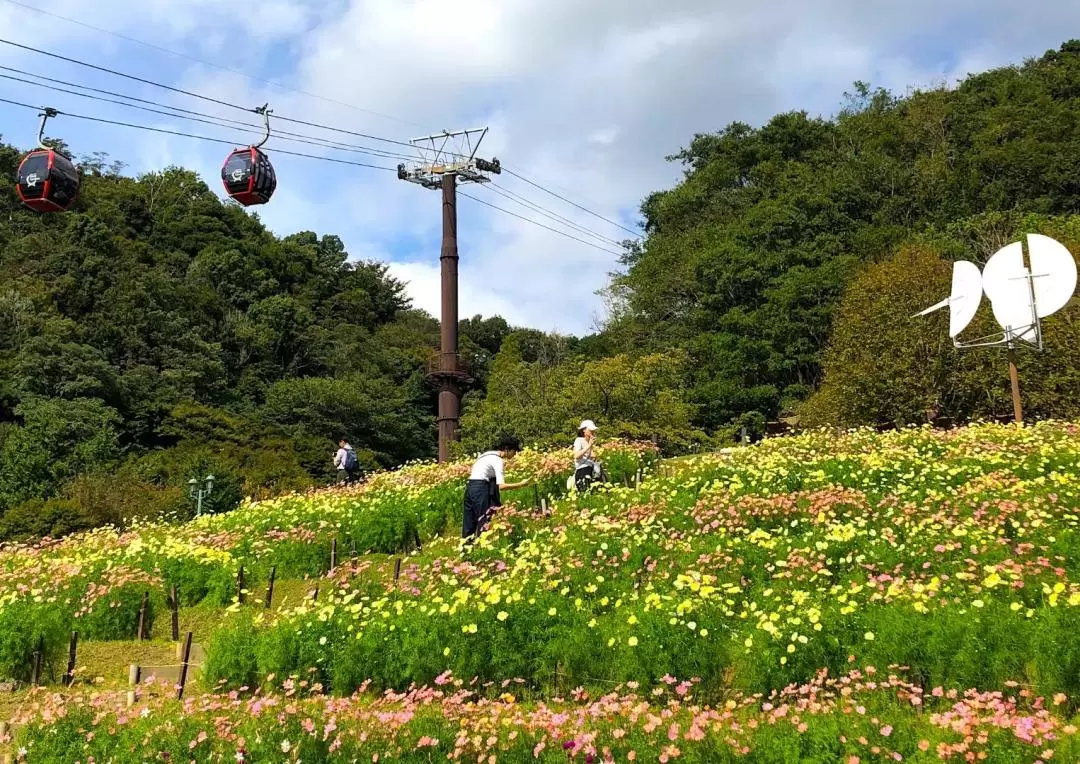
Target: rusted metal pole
x,y
1014,377
270,587
449,390
73,644
174,605
35,666
142,615
185,659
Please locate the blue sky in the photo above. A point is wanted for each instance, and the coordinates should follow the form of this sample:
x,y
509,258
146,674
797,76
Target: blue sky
x,y
584,97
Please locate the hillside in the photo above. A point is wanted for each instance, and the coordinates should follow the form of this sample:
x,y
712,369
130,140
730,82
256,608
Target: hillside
x,y
827,597
154,333
745,261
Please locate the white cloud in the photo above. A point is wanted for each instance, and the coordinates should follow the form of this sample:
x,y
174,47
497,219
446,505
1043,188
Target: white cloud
x,y
585,97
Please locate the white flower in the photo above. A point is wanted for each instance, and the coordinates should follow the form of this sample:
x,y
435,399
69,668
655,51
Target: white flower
x,y
239,755
286,746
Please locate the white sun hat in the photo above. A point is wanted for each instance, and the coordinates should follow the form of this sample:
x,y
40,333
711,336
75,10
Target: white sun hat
x,y
588,424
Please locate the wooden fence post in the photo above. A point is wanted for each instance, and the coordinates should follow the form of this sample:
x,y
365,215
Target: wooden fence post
x,y
134,674
184,667
142,616
240,585
174,605
397,569
69,675
35,667
270,587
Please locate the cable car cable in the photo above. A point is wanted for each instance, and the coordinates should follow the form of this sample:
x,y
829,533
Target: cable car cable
x,y
211,64
163,131
270,82
635,234
210,99
541,225
551,215
196,137
208,119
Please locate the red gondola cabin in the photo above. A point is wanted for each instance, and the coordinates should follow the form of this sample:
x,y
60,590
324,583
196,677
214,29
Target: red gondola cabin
x,y
248,176
47,181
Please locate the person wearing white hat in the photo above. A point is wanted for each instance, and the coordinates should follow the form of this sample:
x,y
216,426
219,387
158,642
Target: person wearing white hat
x,y
584,464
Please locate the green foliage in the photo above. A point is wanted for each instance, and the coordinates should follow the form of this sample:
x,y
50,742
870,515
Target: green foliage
x,y
745,260
154,331
540,393
884,365
57,439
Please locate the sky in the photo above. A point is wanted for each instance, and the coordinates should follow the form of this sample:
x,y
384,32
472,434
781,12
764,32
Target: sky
x,y
583,97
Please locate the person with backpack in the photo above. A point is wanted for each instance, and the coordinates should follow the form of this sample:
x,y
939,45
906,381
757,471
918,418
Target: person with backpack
x,y
345,462
482,491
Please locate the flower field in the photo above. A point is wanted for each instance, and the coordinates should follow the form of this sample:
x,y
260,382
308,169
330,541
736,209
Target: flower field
x,y
852,597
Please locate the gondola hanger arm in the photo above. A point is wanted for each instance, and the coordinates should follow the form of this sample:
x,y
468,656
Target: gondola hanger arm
x,y
265,112
47,111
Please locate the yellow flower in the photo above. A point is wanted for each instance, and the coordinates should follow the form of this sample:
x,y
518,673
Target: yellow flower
x,y
552,611
632,641
869,636
503,615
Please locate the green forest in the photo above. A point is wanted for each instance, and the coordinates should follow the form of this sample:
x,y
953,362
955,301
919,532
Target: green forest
x,y
155,333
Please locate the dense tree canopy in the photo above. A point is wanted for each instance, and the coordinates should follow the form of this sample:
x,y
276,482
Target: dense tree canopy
x,y
744,261
155,333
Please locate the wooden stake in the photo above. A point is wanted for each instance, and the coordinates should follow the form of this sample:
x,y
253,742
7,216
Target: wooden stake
x,y
174,604
130,698
1014,378
543,504
315,594
333,554
142,615
240,585
184,667
397,569
35,667
73,644
270,587
134,674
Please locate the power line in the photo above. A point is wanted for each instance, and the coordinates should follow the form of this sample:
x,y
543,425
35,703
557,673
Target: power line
x,y
575,204
203,62
541,225
193,116
297,154
209,99
549,214
305,123
195,137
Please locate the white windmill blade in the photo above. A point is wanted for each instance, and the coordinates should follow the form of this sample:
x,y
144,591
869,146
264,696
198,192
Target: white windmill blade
x,y
1006,282
967,288
963,301
1053,272
943,304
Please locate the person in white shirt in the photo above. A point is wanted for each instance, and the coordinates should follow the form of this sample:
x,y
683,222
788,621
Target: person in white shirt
x,y
340,460
485,483
584,464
